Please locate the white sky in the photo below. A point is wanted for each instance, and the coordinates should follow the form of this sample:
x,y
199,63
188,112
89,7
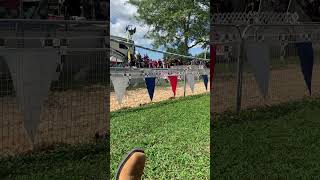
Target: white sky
x,y
122,14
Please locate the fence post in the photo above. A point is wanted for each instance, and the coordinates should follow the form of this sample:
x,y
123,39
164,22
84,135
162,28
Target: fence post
x,y
185,83
239,76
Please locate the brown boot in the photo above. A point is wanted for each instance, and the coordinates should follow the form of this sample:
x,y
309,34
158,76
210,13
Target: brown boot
x,y
131,168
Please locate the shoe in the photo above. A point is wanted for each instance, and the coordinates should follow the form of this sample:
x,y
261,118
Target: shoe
x,y
131,168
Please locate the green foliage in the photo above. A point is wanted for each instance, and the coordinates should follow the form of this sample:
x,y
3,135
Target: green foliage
x,y
178,24
177,50
202,54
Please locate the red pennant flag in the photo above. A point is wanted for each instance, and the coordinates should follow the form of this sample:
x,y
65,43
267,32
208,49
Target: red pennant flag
x,y
173,81
212,63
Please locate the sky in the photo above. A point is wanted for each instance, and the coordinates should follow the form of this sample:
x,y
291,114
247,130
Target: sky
x,y
122,14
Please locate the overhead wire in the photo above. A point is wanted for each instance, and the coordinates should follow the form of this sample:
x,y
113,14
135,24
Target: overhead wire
x,y
159,51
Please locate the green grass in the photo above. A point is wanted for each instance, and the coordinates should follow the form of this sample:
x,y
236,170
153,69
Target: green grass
x,y
174,135
278,142
58,163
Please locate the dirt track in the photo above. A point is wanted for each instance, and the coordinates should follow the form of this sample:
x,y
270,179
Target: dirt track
x,y
140,96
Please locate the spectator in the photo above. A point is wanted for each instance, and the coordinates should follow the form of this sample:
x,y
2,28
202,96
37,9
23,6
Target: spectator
x,y
160,64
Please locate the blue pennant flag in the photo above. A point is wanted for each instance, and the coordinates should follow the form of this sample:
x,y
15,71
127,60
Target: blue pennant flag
x,y
151,83
205,80
305,52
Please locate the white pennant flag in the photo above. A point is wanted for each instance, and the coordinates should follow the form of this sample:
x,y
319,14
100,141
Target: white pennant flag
x,y
32,73
259,58
190,80
120,84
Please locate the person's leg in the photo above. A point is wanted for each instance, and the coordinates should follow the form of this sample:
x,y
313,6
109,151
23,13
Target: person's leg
x,y
131,168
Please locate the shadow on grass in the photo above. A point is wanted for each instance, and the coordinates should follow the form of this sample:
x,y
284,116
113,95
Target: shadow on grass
x,y
276,142
87,161
260,113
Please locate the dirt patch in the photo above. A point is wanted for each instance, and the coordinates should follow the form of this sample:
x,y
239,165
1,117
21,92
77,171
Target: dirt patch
x,y
285,85
69,117
137,97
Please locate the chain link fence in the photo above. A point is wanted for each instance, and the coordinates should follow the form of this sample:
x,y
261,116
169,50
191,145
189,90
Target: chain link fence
x,y
54,83
235,86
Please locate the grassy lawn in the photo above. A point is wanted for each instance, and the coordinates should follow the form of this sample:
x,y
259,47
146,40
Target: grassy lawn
x,y
59,163
174,135
279,142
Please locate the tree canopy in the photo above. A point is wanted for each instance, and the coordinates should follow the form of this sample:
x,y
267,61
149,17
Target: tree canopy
x,y
177,25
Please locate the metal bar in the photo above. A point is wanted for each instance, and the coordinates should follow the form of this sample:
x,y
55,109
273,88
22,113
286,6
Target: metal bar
x,y
283,24
64,49
240,77
43,21
260,4
240,66
21,9
55,37
289,5
185,84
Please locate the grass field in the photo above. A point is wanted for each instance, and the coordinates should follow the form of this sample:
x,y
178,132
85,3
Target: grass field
x,y
59,163
174,135
278,142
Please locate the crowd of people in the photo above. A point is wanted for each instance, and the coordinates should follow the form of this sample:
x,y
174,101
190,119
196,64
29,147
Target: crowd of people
x,y
146,62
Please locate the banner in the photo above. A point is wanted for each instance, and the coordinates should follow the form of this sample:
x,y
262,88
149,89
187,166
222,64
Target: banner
x,y
173,81
32,73
205,80
259,59
150,83
190,80
305,52
120,84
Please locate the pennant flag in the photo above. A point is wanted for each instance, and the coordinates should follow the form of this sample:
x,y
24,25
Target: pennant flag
x,y
259,59
120,84
173,81
32,73
151,83
190,80
305,52
205,80
212,63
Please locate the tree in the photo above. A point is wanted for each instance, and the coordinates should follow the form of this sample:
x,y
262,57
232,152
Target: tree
x,y
177,50
175,24
203,54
